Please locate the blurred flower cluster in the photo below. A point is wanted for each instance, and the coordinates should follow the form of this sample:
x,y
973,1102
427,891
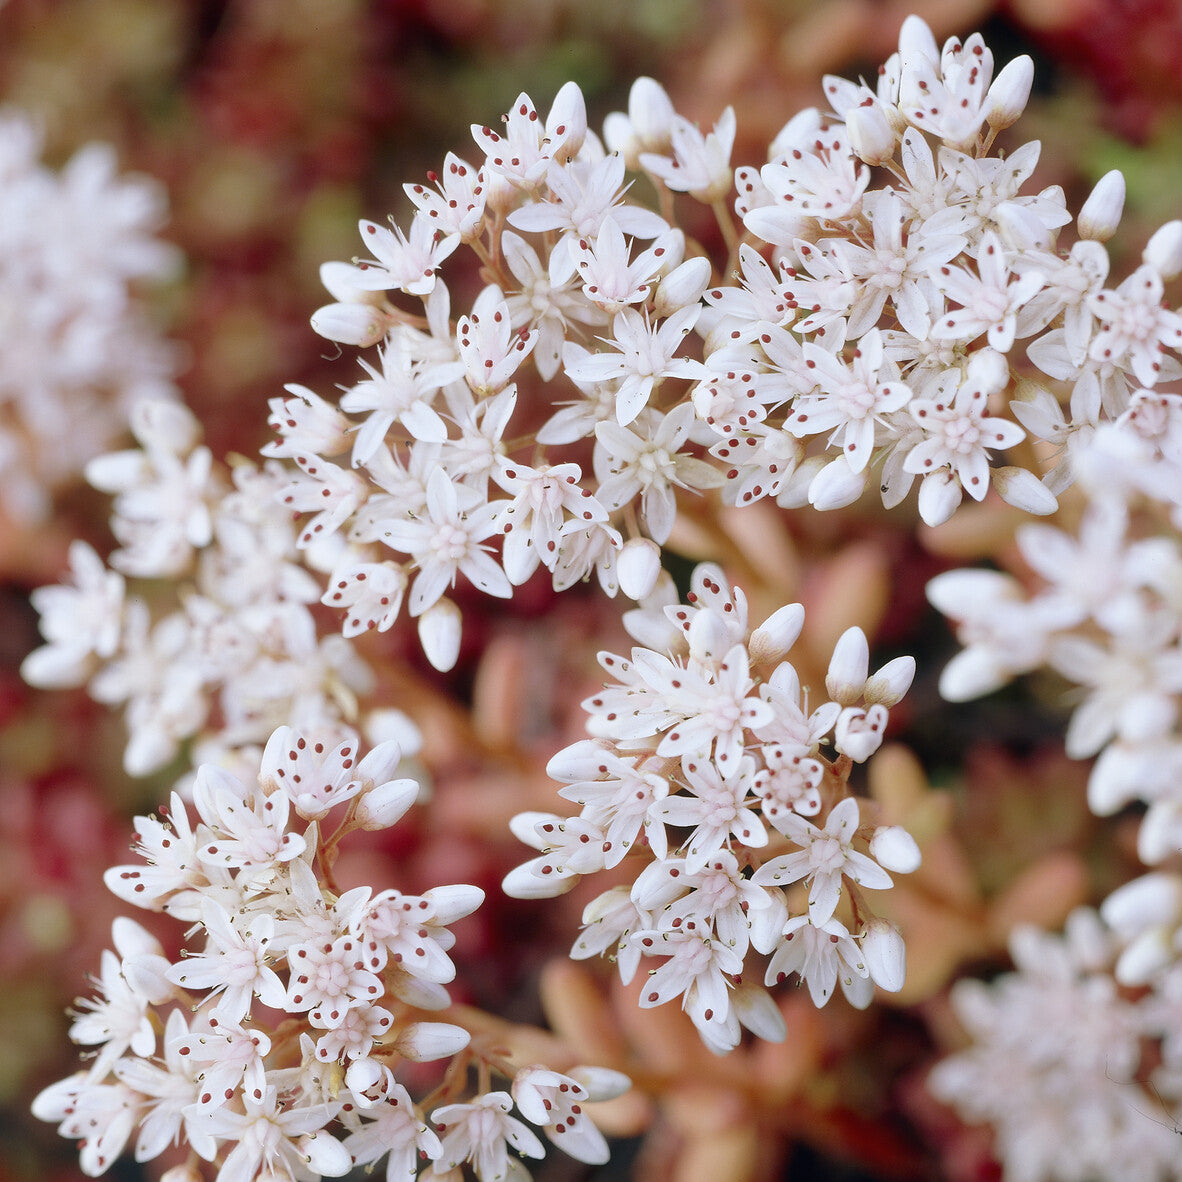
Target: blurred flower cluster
x,y
601,554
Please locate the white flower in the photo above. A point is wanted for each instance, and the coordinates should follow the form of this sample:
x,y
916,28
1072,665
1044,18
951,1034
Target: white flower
x,y
611,279
233,964
271,1140
405,262
990,301
480,1133
393,1126
824,859
553,1102
958,432
718,809
81,621
700,165
849,401
647,459
456,205
820,954
446,541
1135,328
522,154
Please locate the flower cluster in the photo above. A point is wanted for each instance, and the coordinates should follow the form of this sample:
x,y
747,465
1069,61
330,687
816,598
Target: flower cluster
x,y
1054,1062
882,301
851,330
711,775
1099,606
233,652
79,351
272,1045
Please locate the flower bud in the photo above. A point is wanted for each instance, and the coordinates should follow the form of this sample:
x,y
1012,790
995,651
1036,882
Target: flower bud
x,y
890,683
771,641
389,725
754,1007
439,634
872,137
885,955
638,567
848,667
165,426
939,495
346,283
386,804
709,641
1099,216
1022,489
601,1083
1144,958
566,124
1163,251
1157,839
651,112
423,1042
350,324
1151,901
186,1173
369,1081
324,1155
453,901
683,286
836,485
1009,93
893,848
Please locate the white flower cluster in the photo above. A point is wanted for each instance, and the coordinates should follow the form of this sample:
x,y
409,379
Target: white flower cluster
x,y
1101,607
232,651
711,772
865,330
270,1046
79,351
1054,1063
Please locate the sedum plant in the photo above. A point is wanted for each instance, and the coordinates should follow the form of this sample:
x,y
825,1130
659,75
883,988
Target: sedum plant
x,y
885,306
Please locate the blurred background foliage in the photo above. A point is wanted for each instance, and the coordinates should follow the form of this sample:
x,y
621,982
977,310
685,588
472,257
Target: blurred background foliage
x,y
275,125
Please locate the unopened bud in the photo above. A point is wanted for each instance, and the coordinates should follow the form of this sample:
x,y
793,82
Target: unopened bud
x,y
770,642
1163,252
836,485
439,634
1144,958
165,426
601,1083
651,111
1009,93
324,1155
848,667
1100,214
566,125
893,848
638,566
890,683
683,286
350,324
885,955
1151,901
423,1042
186,1173
1022,489
872,137
386,804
